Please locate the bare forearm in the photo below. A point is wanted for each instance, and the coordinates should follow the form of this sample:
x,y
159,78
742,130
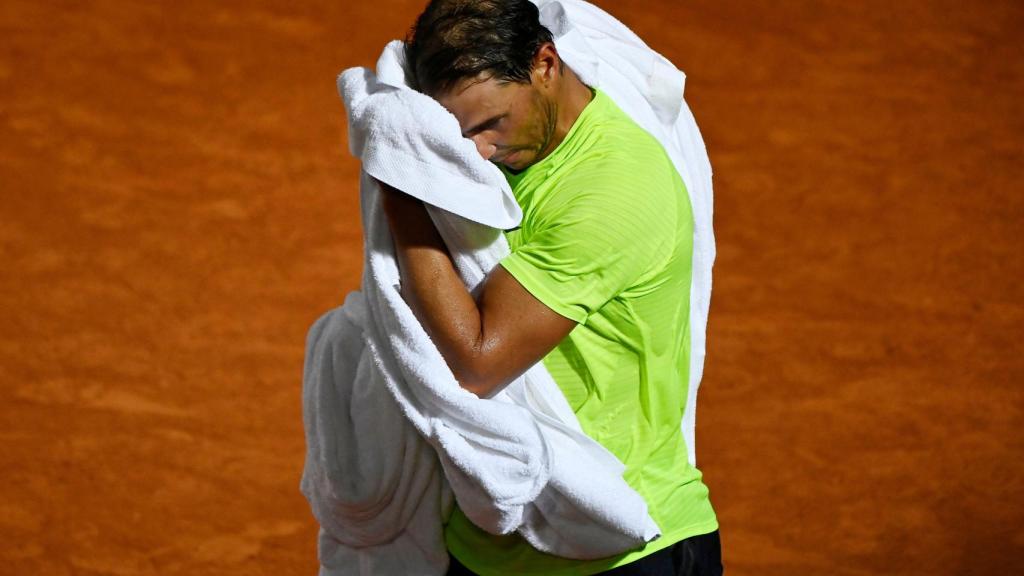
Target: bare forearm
x,y
433,289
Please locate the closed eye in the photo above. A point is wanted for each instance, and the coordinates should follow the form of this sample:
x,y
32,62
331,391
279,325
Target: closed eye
x,y
484,126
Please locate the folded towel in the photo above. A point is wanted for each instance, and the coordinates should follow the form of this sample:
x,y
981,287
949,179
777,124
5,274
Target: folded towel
x,y
375,516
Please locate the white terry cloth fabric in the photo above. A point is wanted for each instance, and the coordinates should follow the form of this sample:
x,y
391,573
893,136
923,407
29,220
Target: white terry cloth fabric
x,y
608,55
517,462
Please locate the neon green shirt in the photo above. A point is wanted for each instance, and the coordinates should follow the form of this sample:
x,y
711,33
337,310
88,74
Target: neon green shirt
x,y
606,240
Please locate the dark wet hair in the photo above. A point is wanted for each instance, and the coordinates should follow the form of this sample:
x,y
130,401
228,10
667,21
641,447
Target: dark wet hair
x,y
456,39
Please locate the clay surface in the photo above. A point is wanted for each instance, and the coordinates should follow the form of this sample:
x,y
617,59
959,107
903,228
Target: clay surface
x,y
179,205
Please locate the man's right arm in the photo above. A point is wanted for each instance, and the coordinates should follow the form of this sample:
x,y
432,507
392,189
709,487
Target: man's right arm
x,y
487,341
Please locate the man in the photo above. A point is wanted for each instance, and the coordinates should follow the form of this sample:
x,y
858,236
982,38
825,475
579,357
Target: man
x,y
596,285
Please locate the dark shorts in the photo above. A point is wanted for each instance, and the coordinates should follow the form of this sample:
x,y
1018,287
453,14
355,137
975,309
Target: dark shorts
x,y
694,556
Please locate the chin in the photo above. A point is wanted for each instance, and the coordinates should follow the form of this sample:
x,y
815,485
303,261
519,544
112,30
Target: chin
x,y
519,161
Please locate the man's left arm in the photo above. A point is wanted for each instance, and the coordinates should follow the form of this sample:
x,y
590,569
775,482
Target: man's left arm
x,y
488,341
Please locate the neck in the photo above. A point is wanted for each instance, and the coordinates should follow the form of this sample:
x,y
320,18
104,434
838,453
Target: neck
x,y
575,97
572,97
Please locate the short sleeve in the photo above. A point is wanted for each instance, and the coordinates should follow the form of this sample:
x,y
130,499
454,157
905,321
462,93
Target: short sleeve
x,y
595,240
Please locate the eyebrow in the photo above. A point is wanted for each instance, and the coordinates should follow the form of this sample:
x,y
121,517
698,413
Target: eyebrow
x,y
490,122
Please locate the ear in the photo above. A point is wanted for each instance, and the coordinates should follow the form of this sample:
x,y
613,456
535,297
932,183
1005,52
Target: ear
x,y
546,64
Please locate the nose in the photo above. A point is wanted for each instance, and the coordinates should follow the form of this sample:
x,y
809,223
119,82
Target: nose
x,y
485,148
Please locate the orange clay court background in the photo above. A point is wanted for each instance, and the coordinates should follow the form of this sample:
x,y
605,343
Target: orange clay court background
x,y
179,205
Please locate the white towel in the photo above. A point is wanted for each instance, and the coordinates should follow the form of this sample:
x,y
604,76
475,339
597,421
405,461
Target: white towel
x,y
375,387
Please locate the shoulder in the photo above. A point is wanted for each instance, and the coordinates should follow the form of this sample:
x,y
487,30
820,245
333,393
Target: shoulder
x,y
616,153
624,171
